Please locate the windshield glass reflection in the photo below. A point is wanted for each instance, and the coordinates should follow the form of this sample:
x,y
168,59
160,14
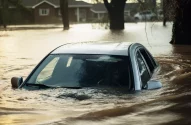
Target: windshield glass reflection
x,y
82,71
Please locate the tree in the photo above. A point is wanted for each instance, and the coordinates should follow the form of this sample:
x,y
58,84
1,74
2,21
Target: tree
x,y
65,13
116,13
167,10
152,3
182,26
164,12
4,13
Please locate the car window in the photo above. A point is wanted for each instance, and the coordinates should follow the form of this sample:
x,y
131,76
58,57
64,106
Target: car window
x,y
144,73
149,60
144,13
83,71
148,12
47,71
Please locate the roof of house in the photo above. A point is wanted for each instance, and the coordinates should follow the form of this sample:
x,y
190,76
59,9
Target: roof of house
x,y
131,6
100,8
105,48
55,3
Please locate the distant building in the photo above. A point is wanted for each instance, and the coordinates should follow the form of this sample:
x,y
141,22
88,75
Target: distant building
x,y
48,11
99,11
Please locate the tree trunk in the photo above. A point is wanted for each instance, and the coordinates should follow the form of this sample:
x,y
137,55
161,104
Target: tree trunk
x,y
64,13
155,4
116,13
23,10
4,13
182,23
164,12
167,10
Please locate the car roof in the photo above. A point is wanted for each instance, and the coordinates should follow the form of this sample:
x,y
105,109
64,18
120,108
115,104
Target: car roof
x,y
103,48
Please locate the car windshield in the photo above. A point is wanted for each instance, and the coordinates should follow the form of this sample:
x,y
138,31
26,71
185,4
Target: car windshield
x,y
82,71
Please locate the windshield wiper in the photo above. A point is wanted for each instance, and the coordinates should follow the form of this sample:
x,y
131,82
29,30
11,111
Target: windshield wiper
x,y
40,85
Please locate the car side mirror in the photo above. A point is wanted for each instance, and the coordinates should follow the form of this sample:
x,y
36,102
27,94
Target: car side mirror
x,y
16,82
154,84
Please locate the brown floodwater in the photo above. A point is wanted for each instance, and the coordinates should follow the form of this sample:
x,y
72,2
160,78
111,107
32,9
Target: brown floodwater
x,y
21,48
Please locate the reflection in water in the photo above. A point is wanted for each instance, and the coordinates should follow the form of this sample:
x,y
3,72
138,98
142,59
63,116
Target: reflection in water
x,y
21,50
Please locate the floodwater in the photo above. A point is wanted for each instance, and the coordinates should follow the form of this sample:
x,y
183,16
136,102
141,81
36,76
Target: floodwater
x,y
22,48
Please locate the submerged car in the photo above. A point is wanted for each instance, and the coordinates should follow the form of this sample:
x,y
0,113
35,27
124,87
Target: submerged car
x,y
146,15
79,65
160,14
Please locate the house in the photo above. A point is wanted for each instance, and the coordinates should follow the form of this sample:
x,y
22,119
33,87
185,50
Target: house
x,y
48,11
100,12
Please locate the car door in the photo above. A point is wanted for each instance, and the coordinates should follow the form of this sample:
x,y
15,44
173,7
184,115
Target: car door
x,y
144,71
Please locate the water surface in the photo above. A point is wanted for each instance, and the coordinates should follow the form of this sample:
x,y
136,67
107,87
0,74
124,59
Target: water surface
x,y
22,49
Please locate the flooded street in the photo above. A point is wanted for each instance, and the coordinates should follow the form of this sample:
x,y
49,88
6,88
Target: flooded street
x,y
21,50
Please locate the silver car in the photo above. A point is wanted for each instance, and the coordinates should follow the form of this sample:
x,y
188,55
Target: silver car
x,y
145,16
79,65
